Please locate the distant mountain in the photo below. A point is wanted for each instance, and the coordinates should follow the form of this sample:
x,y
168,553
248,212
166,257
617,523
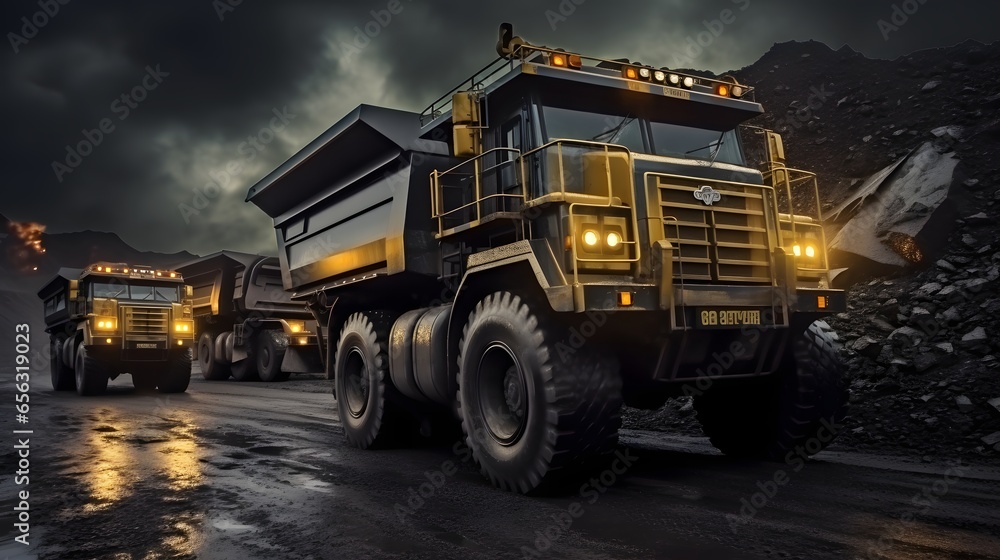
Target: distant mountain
x,y
25,266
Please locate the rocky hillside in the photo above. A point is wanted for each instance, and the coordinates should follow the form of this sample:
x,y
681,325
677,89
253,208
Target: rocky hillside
x,y
921,342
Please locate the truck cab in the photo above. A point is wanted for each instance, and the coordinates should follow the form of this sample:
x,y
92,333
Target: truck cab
x,y
113,318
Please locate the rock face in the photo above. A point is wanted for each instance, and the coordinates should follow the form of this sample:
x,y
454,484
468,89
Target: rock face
x,y
899,216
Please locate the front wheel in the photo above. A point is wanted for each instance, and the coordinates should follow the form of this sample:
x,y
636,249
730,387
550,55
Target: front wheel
x,y
532,409
796,410
271,347
175,375
91,373
366,398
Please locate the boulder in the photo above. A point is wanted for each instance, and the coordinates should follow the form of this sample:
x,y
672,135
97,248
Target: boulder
x,y
899,216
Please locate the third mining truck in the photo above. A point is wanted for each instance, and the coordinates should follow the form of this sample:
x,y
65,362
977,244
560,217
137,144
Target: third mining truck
x,y
112,318
247,325
556,236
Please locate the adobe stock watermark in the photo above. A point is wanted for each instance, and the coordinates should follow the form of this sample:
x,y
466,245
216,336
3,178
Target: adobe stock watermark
x,y
223,175
566,8
921,503
366,33
225,7
696,45
121,108
590,492
795,459
31,25
899,17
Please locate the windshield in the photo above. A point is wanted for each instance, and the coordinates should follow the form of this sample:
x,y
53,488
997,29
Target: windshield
x,y
623,130
136,292
626,130
687,142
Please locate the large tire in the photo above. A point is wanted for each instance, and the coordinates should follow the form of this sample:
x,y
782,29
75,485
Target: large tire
x,y
211,369
62,376
271,346
367,401
799,407
91,373
246,369
533,411
175,375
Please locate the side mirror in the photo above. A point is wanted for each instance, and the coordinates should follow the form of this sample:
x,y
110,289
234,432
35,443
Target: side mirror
x,y
775,148
508,42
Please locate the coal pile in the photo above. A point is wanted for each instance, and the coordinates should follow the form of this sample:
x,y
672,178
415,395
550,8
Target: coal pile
x,y
921,342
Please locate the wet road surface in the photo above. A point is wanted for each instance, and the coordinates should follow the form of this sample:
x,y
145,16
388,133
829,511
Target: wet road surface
x,y
252,470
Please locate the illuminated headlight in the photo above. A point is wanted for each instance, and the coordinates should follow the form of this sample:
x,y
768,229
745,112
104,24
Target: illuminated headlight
x,y
591,238
296,327
688,82
797,250
807,249
810,251
659,76
674,79
303,340
105,324
183,326
645,73
613,239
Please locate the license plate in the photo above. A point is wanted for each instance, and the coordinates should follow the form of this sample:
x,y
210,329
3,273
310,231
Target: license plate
x,y
729,317
147,345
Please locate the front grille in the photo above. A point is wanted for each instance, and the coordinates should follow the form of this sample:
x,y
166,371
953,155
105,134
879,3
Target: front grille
x,y
147,322
724,242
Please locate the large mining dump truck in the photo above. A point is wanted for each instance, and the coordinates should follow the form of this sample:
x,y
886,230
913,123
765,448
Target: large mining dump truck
x,y
247,323
555,237
113,318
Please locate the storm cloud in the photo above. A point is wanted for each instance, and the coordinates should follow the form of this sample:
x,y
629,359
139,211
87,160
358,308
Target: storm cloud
x,y
153,119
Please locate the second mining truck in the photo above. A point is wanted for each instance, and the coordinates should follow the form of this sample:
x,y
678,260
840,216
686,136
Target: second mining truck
x,y
112,318
556,236
248,327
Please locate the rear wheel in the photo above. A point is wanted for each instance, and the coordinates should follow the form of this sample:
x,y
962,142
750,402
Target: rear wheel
x,y
211,369
271,347
62,376
175,375
246,369
798,408
531,411
91,373
366,399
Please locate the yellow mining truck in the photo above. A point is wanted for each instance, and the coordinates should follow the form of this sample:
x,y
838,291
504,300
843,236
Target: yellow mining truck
x,y
112,318
557,236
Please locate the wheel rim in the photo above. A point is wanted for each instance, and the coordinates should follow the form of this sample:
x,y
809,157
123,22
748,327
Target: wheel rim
x,y
356,382
503,394
205,354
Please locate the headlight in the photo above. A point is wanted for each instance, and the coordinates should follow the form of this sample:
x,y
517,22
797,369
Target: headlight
x,y
810,251
797,250
689,82
674,80
738,91
645,73
590,238
105,323
659,76
296,327
613,239
183,326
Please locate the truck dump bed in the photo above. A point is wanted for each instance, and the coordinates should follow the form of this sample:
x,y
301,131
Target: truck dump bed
x,y
55,294
342,204
230,283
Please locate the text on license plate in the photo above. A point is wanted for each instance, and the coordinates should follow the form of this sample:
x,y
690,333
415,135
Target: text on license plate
x,y
729,317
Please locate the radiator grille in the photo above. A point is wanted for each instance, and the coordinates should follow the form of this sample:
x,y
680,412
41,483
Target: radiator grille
x,y
147,321
727,241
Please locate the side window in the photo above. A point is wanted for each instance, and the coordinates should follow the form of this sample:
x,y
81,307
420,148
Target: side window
x,y
510,137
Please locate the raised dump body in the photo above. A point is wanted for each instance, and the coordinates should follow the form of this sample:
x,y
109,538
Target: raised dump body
x,y
557,236
249,326
354,203
112,318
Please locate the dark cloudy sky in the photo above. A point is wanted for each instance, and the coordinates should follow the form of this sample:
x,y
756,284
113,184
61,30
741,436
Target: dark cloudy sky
x,y
222,77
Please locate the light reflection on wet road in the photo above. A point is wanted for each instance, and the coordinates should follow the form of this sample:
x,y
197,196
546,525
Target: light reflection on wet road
x,y
247,471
